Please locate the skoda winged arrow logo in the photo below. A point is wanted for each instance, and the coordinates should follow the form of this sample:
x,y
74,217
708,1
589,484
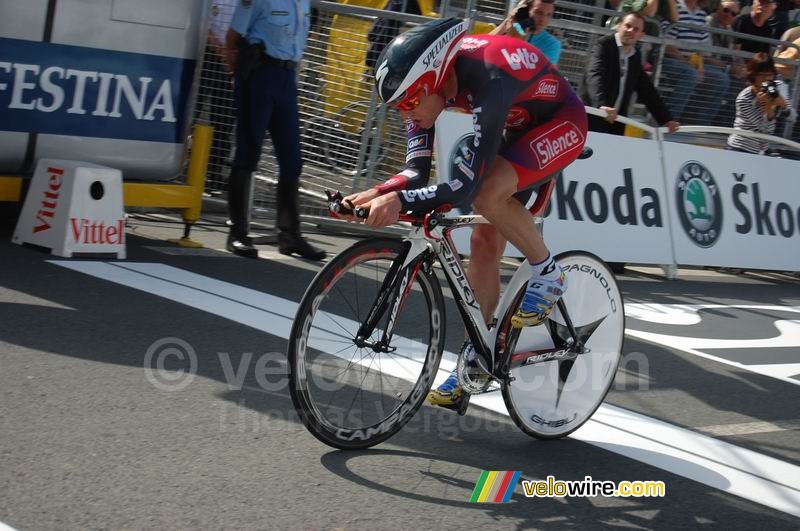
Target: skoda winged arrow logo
x,y
699,204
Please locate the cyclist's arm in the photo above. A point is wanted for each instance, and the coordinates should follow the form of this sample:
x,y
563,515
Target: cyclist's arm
x,y
418,161
490,107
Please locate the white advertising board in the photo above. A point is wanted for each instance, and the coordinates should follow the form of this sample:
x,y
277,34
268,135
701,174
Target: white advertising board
x,y
612,204
733,209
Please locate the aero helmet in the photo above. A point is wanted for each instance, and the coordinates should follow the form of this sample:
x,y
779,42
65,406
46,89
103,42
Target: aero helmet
x,y
418,60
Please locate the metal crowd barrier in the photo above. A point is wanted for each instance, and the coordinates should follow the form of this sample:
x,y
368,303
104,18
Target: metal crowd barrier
x,y
350,142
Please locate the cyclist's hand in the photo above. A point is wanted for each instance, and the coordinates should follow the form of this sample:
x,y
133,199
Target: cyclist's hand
x,y
361,198
357,200
383,210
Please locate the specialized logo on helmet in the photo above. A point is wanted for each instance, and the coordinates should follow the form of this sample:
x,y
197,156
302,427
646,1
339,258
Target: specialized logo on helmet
x,y
699,204
520,59
560,141
442,45
381,73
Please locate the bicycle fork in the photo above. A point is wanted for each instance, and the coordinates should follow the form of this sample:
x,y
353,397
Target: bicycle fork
x,y
394,291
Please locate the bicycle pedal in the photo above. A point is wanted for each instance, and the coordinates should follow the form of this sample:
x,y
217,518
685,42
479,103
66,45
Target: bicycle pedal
x,y
459,406
462,404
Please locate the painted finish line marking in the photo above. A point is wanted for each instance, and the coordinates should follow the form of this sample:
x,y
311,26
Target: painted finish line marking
x,y
788,335
715,463
749,428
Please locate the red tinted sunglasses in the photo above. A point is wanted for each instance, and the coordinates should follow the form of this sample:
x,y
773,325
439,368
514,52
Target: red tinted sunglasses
x,y
410,103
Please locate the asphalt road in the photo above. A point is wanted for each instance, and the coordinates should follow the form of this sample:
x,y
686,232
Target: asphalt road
x,y
707,400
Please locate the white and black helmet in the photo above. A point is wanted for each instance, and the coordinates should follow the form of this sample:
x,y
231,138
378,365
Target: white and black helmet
x,y
418,59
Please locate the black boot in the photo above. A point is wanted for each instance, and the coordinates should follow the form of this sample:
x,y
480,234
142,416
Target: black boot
x,y
241,246
293,243
289,239
237,206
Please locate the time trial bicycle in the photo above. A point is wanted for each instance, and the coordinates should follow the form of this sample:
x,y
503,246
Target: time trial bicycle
x,y
369,336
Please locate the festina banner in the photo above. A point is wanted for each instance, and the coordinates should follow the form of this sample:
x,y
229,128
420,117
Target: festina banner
x,y
79,91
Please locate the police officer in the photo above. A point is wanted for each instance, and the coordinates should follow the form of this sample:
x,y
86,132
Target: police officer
x,y
263,46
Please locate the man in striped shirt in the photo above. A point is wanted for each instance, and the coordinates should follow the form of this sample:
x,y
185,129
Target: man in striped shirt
x,y
685,70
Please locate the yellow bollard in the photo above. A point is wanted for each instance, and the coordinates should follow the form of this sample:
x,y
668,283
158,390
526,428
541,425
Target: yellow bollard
x,y
196,180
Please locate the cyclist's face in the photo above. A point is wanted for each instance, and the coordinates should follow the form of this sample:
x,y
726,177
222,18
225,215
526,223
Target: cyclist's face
x,y
426,112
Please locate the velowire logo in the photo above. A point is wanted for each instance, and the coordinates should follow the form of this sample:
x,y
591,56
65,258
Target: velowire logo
x,y
699,204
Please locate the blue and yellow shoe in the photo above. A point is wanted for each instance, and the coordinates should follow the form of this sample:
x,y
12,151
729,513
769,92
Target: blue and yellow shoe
x,y
540,298
448,394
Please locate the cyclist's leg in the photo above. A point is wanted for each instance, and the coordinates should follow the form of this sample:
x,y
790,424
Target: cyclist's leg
x,y
535,156
510,219
486,250
483,272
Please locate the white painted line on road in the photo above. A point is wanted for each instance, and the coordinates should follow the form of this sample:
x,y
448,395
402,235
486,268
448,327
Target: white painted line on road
x,y
721,465
749,428
5,527
688,314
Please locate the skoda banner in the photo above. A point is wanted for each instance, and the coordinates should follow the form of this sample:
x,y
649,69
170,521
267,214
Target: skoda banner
x,y
612,204
733,209
642,201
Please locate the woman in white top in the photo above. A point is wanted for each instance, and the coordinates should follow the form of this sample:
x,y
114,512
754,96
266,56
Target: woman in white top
x,y
756,106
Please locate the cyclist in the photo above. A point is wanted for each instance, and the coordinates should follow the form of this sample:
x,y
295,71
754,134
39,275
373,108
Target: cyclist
x,y
528,125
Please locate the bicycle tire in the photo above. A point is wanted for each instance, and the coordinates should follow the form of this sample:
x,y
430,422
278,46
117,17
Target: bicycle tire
x,y
552,399
333,307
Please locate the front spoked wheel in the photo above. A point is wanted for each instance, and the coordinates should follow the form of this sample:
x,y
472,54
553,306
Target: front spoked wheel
x,y
353,392
555,391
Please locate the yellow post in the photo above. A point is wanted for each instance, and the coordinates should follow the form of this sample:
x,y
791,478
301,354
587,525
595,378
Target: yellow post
x,y
196,181
10,189
198,167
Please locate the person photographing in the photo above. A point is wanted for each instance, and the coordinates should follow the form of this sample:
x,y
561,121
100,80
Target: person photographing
x,y
529,21
758,105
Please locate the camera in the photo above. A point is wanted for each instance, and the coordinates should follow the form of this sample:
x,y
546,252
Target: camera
x,y
523,18
770,88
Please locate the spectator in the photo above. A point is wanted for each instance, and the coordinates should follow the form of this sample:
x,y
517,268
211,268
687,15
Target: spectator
x,y
663,10
786,72
756,23
790,53
646,8
756,108
685,69
533,28
794,15
615,72
723,18
781,16
265,61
